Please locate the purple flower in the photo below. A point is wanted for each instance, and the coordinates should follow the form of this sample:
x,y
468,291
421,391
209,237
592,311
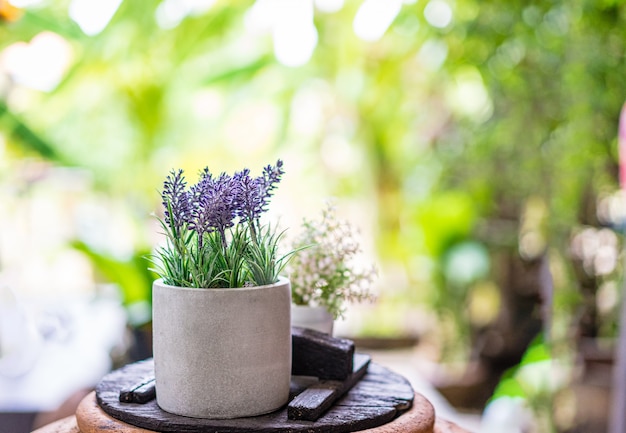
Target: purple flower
x,y
213,204
249,198
175,198
253,194
269,182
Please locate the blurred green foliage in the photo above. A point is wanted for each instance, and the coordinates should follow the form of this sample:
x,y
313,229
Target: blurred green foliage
x,y
534,381
452,134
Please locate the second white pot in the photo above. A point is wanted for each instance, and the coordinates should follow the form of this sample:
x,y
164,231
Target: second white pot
x,y
317,318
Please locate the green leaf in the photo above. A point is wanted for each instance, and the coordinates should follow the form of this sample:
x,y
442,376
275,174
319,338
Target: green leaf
x,y
537,351
132,276
509,387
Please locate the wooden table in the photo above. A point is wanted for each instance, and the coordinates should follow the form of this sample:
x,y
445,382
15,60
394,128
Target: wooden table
x,y
89,418
381,401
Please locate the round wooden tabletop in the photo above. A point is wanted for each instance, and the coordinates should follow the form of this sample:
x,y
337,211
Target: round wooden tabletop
x,y
89,418
379,397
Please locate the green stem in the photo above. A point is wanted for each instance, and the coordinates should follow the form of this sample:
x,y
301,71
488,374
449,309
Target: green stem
x,y
253,234
224,244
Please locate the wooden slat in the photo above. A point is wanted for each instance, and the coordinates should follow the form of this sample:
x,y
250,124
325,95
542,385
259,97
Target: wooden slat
x,y
317,354
315,400
140,392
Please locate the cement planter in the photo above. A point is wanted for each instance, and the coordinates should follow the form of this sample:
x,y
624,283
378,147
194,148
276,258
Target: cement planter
x,y
317,318
222,353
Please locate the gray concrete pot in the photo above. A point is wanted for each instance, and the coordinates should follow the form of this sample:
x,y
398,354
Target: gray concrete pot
x,y
222,353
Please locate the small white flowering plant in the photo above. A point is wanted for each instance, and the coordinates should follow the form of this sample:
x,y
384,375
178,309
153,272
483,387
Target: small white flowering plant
x,y
324,272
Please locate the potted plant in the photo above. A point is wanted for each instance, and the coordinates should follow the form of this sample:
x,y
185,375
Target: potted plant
x,y
324,275
221,312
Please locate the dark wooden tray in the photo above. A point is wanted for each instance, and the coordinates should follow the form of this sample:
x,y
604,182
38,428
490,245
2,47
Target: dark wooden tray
x,y
377,399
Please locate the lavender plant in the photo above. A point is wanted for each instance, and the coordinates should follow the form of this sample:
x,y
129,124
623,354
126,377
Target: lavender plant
x,y
324,273
213,230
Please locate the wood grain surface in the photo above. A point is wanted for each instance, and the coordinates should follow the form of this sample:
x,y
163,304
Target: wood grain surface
x,y
419,419
374,401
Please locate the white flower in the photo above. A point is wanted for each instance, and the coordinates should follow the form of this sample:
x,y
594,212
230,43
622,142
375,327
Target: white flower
x,y
323,273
